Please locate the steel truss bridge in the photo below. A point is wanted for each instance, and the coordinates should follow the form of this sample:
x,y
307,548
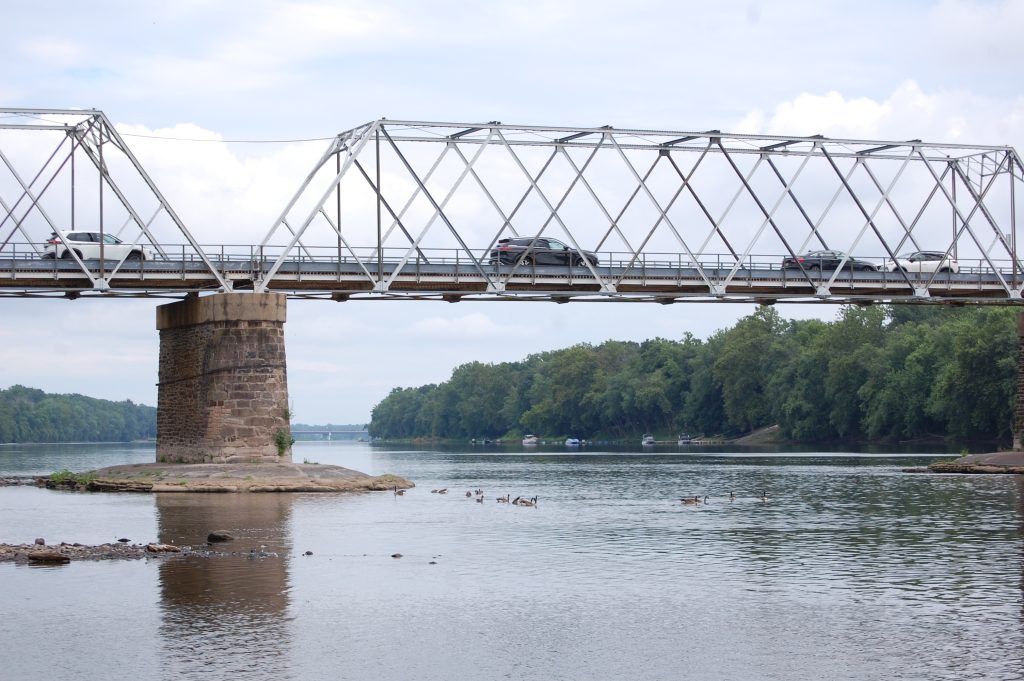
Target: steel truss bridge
x,y
413,210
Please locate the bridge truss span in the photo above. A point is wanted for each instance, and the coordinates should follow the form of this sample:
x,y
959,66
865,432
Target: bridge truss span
x,y
492,211
667,216
72,190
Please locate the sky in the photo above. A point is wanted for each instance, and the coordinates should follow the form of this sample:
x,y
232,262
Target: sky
x,y
236,73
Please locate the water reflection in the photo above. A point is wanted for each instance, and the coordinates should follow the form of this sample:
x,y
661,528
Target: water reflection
x,y
852,570
228,614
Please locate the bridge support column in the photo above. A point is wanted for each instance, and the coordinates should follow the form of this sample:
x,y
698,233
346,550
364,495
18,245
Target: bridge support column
x,y
1018,412
223,390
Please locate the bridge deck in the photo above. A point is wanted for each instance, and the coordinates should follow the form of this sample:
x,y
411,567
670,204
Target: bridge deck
x,y
662,282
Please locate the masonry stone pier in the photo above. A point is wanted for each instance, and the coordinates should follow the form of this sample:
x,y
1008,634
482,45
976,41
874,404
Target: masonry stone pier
x,y
223,385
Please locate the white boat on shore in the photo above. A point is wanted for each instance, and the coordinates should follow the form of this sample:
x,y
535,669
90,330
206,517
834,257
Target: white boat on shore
x,y
572,442
647,441
530,440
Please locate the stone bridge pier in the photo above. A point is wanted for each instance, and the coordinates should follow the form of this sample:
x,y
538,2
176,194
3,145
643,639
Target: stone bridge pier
x,y
223,383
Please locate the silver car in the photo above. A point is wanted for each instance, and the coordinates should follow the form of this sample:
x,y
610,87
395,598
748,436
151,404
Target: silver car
x,y
87,246
923,261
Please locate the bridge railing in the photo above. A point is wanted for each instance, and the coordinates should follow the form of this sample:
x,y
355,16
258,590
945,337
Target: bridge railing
x,y
238,257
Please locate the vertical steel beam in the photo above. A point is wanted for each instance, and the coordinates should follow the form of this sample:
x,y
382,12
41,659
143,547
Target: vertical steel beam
x,y
380,244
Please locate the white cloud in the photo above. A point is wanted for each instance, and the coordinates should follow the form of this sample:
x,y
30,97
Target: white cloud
x,y
906,113
978,32
468,328
51,50
221,195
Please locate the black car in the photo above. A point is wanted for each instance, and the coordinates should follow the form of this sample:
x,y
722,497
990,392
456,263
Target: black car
x,y
539,251
826,260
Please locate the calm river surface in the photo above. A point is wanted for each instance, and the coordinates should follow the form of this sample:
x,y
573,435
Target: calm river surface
x,y
851,570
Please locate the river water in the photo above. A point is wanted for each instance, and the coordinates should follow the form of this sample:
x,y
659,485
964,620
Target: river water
x,y
851,570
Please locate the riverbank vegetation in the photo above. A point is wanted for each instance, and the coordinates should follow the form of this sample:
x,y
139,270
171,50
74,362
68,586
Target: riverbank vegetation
x,y
880,373
31,415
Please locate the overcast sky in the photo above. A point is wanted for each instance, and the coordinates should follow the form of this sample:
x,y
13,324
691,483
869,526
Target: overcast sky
x,y
264,70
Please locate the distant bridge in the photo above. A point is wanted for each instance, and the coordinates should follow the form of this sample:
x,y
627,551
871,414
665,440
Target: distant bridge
x,y
329,434
412,210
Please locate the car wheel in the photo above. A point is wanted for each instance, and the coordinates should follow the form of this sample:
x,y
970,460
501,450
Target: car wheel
x,y
944,270
578,262
66,255
47,256
814,268
135,255
528,261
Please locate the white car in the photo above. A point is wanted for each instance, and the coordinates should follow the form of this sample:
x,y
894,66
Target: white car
x,y
923,261
87,246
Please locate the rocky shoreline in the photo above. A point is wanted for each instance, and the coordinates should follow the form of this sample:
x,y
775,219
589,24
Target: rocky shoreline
x,y
212,477
1011,462
58,554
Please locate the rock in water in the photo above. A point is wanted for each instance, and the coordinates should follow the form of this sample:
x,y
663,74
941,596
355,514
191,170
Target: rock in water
x,y
162,548
48,557
219,536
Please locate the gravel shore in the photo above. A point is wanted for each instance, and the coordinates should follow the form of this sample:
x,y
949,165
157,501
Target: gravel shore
x,y
55,554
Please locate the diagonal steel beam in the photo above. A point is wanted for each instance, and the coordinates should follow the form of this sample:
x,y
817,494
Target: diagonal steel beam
x,y
360,142
113,134
553,211
25,189
687,182
714,288
439,211
869,217
769,216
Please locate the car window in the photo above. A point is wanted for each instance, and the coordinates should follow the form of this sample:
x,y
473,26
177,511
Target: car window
x,y
110,239
556,245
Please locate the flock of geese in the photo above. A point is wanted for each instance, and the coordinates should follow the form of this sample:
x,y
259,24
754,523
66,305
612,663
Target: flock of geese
x,y
694,500
478,494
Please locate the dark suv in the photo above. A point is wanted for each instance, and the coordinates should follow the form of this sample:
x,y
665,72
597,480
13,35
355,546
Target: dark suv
x,y
543,252
826,260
